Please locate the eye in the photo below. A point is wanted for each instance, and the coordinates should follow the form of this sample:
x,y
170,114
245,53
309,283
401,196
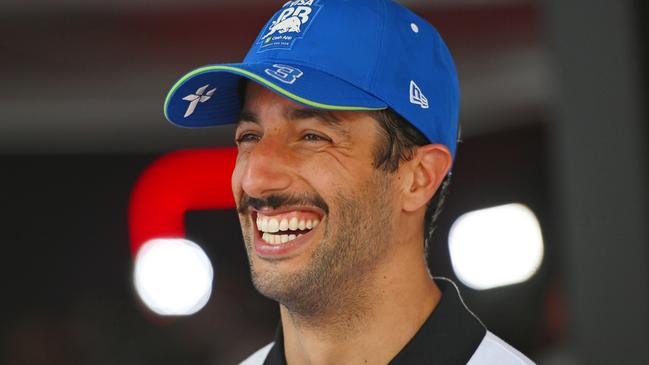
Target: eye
x,y
246,137
312,137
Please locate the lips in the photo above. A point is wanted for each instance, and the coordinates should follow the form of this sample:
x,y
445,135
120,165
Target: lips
x,y
281,233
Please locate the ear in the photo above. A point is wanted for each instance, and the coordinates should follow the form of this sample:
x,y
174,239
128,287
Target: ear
x,y
424,174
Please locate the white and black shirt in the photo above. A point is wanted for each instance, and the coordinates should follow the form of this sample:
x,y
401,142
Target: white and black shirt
x,y
452,335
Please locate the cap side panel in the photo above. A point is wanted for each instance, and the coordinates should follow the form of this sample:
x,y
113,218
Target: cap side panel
x,y
380,60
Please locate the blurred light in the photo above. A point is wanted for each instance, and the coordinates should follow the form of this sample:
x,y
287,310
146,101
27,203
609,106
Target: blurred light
x,y
173,276
496,246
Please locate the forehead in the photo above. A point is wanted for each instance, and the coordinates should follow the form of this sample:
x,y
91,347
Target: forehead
x,y
260,102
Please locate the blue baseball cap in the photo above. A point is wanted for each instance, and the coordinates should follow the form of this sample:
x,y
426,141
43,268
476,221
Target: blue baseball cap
x,y
355,55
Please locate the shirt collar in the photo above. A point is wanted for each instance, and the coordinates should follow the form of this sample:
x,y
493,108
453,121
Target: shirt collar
x,y
450,335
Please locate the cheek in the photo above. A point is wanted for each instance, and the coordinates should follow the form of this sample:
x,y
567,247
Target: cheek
x,y
336,174
322,175
237,174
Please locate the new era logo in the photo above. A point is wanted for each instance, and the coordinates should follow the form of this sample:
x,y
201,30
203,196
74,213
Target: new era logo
x,y
200,97
417,97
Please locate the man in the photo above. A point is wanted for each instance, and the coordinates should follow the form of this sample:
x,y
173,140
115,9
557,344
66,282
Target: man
x,y
346,117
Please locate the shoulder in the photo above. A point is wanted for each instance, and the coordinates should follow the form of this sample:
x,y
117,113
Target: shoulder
x,y
259,356
494,351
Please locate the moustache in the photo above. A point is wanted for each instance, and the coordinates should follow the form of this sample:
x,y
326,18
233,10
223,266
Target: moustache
x,y
275,201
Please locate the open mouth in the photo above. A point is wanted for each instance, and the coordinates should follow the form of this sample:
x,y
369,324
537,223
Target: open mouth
x,y
279,228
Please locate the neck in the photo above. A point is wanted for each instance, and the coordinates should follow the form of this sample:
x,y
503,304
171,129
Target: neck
x,y
396,298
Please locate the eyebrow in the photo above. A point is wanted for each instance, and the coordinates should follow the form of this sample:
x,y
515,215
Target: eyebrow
x,y
247,116
325,116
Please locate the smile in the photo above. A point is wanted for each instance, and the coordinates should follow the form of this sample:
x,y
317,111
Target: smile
x,y
285,227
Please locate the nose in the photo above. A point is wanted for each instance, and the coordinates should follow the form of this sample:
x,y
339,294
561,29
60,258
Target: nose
x,y
266,168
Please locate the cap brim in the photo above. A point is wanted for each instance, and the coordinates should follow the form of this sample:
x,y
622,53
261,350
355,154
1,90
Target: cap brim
x,y
214,92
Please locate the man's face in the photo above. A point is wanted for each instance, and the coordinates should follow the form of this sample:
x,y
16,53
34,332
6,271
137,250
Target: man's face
x,y
316,215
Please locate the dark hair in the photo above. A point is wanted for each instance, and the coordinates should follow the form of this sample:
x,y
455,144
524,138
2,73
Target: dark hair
x,y
399,140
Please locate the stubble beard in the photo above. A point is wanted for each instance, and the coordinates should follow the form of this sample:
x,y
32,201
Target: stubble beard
x,y
337,278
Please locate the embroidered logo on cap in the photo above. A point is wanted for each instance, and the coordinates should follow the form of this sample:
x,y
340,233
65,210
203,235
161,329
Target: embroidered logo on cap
x,y
285,74
194,99
289,24
417,97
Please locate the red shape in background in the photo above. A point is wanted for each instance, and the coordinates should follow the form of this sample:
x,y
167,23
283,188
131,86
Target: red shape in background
x,y
197,179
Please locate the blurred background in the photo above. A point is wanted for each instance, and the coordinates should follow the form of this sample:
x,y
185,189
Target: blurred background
x,y
553,120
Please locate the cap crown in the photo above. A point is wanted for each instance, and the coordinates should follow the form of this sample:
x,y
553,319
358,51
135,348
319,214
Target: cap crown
x,y
376,45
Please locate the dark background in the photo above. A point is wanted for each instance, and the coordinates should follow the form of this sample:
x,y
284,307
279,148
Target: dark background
x,y
553,117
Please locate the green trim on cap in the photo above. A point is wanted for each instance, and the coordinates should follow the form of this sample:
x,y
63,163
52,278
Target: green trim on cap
x,y
263,81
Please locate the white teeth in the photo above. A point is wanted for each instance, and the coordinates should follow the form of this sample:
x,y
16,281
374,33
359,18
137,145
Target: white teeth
x,y
276,239
273,225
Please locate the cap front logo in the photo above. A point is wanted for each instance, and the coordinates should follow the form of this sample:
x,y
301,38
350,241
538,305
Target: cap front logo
x,y
289,24
284,73
417,97
199,97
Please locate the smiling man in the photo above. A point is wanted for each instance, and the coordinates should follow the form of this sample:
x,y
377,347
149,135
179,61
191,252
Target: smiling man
x,y
346,114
